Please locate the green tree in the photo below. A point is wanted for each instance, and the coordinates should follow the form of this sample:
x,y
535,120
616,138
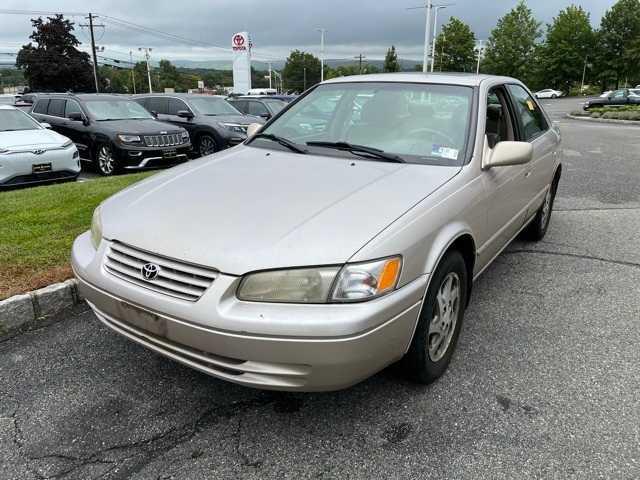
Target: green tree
x,y
391,61
455,47
301,71
511,49
618,43
54,63
569,42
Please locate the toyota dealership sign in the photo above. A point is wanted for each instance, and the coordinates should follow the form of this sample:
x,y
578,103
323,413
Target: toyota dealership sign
x,y
240,42
241,46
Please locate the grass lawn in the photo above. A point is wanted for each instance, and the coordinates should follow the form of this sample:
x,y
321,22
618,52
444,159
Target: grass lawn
x,y
38,226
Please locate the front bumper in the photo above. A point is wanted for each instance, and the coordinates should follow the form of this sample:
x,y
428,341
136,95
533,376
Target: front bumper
x,y
139,158
20,168
269,346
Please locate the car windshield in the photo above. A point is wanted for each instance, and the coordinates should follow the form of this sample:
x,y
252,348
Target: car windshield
x,y
420,123
12,120
213,106
117,110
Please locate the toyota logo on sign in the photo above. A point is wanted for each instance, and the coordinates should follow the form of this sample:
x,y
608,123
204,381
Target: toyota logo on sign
x,y
238,40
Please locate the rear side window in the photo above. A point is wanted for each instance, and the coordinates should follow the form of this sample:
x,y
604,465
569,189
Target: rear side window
x,y
530,116
158,104
41,106
240,105
56,107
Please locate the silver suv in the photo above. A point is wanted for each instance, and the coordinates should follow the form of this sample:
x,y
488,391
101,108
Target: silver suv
x,y
341,237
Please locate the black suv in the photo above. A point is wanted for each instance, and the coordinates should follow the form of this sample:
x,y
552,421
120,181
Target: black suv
x,y
212,122
112,131
261,106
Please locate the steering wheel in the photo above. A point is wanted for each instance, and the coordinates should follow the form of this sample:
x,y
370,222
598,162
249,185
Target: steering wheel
x,y
422,130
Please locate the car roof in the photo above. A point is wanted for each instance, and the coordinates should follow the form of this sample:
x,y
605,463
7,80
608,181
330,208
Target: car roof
x,y
462,79
177,95
4,106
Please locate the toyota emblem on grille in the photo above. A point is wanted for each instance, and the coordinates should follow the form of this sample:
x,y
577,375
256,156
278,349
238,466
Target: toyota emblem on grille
x,y
150,271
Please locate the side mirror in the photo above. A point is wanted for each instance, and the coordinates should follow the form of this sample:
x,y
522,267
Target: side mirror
x,y
46,125
252,129
508,153
154,113
185,114
75,117
266,116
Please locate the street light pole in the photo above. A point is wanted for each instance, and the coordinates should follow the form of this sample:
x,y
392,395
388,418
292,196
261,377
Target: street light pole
x,y
133,74
427,35
584,72
479,54
435,31
146,55
322,32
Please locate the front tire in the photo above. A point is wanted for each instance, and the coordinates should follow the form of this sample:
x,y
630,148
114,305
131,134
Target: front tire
x,y
105,161
206,145
440,320
554,96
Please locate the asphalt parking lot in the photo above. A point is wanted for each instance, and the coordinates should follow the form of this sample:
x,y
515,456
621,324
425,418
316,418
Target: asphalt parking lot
x,y
544,383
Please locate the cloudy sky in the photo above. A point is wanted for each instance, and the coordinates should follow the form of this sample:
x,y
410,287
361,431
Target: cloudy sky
x,y
205,27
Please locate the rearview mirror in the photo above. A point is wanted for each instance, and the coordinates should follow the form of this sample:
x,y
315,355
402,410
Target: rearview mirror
x,y
45,125
252,129
508,153
185,114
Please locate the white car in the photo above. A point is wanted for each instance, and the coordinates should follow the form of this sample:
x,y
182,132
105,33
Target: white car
x,y
31,154
548,93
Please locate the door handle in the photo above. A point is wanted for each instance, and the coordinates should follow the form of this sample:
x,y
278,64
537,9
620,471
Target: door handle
x,y
527,174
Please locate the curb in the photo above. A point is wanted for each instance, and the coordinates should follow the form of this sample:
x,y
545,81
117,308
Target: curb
x,y
604,120
21,311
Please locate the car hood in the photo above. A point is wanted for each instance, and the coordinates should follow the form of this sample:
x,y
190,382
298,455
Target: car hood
x,y
250,209
139,127
239,119
28,139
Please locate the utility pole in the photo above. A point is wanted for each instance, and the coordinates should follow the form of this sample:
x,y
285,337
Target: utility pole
x,y
304,72
360,58
435,31
269,75
93,49
584,72
146,51
133,75
479,55
322,32
427,32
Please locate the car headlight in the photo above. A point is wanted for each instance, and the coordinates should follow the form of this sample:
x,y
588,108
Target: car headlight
x,y
96,228
333,284
234,128
129,138
67,144
185,135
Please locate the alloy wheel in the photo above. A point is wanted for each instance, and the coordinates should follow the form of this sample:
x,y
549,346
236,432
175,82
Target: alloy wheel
x,y
106,163
444,318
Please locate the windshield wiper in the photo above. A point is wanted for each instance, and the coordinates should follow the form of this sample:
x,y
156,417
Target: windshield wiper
x,y
353,148
282,141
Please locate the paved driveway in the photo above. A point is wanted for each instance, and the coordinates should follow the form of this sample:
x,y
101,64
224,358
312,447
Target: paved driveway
x,y
544,384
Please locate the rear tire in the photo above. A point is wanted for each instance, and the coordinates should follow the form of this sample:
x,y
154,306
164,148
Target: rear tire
x,y
537,228
554,96
440,321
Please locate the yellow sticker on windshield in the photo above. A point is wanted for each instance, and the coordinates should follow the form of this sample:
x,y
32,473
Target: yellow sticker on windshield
x,y
531,106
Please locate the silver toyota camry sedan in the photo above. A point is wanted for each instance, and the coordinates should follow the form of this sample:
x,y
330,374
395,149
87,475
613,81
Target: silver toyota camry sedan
x,y
342,236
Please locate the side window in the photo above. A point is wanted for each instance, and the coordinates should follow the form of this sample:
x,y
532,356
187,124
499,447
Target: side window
x,y
257,108
142,101
41,106
72,107
56,107
530,116
240,105
499,123
158,104
619,94
175,105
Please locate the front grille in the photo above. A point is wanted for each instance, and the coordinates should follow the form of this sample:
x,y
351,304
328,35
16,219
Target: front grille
x,y
174,278
169,140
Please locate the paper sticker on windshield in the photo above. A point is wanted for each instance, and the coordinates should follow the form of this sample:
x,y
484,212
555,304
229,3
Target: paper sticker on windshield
x,y
444,152
531,106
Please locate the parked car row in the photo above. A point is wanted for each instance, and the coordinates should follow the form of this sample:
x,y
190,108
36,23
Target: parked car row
x,y
115,133
616,98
